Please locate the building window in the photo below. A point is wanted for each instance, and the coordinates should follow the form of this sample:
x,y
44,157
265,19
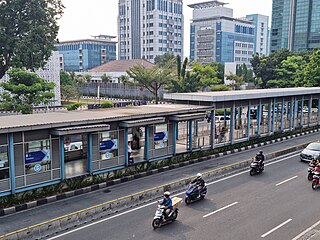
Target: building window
x,y
4,162
37,156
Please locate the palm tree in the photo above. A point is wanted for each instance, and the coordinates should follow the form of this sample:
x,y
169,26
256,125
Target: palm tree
x,y
124,79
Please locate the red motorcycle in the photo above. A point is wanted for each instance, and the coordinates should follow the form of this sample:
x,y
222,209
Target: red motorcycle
x,y
316,178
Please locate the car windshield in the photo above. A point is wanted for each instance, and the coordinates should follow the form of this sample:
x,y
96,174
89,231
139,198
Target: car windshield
x,y
314,146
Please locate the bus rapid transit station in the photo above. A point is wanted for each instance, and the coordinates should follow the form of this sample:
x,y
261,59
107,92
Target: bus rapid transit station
x,y
44,149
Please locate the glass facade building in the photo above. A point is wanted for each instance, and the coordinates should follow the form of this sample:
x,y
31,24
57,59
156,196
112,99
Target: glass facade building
x,y
82,55
295,25
215,35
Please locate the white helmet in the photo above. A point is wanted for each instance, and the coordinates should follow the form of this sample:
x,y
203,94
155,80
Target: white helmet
x,y
166,194
199,175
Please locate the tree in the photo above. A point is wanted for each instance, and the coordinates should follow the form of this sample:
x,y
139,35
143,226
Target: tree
x,y
65,78
290,73
220,87
151,78
312,70
124,79
162,60
220,70
264,67
207,74
25,90
28,32
237,81
105,78
68,92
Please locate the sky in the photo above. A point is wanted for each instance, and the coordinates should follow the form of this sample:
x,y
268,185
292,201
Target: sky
x,y
83,19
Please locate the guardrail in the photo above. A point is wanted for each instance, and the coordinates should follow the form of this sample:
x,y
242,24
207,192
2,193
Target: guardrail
x,y
68,221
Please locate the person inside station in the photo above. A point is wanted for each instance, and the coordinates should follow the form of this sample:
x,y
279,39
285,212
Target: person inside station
x,y
130,159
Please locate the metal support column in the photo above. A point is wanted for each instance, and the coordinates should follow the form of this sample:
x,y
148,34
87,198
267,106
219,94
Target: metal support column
x,y
309,110
190,135
269,117
232,118
273,114
126,146
146,142
259,118
62,157
301,112
212,129
11,162
291,114
248,118
295,112
319,111
282,114
90,152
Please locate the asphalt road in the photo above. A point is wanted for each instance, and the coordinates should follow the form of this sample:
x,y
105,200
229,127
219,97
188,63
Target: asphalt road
x,y
277,204
56,209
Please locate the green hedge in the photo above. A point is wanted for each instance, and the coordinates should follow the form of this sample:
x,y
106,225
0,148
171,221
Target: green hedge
x,y
74,106
106,104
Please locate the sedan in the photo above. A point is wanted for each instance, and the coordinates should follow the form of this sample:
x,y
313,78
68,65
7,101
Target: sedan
x,y
310,152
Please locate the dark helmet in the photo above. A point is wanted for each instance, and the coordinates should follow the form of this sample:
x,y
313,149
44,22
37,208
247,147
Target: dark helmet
x,y
260,152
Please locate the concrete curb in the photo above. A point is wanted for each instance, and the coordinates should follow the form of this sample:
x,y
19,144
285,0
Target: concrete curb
x,y
80,191
68,221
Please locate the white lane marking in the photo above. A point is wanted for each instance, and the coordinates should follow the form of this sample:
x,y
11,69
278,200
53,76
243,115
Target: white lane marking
x,y
289,179
220,209
307,230
277,227
143,206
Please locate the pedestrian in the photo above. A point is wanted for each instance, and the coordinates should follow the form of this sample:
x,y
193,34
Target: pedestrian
x,y
130,159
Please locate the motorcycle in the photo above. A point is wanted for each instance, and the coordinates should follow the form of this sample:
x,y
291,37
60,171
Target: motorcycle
x,y
256,168
159,218
310,172
192,194
315,180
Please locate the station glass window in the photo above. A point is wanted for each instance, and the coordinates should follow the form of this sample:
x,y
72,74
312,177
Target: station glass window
x,y
160,136
108,145
37,156
4,162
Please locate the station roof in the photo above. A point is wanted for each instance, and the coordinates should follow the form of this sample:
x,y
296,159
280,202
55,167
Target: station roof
x,y
15,123
224,96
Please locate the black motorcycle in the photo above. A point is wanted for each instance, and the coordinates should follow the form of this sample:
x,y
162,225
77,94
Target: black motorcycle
x,y
192,194
310,172
256,168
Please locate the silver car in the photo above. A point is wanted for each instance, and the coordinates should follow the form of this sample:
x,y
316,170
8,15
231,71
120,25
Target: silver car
x,y
310,152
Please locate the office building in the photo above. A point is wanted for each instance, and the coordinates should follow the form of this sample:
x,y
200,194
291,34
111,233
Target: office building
x,y
261,23
82,55
295,25
216,36
147,28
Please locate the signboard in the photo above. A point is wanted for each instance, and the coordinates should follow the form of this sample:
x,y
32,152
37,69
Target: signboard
x,y
37,156
160,136
37,167
109,144
108,155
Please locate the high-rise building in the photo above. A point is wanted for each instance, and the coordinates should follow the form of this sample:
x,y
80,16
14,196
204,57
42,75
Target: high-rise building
x,y
147,28
295,25
261,23
82,55
215,35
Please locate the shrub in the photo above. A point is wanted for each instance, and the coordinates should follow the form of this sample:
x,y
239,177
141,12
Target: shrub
x,y
74,106
106,104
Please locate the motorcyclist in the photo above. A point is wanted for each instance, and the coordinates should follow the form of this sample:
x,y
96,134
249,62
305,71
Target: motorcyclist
x,y
167,202
314,162
199,182
260,158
